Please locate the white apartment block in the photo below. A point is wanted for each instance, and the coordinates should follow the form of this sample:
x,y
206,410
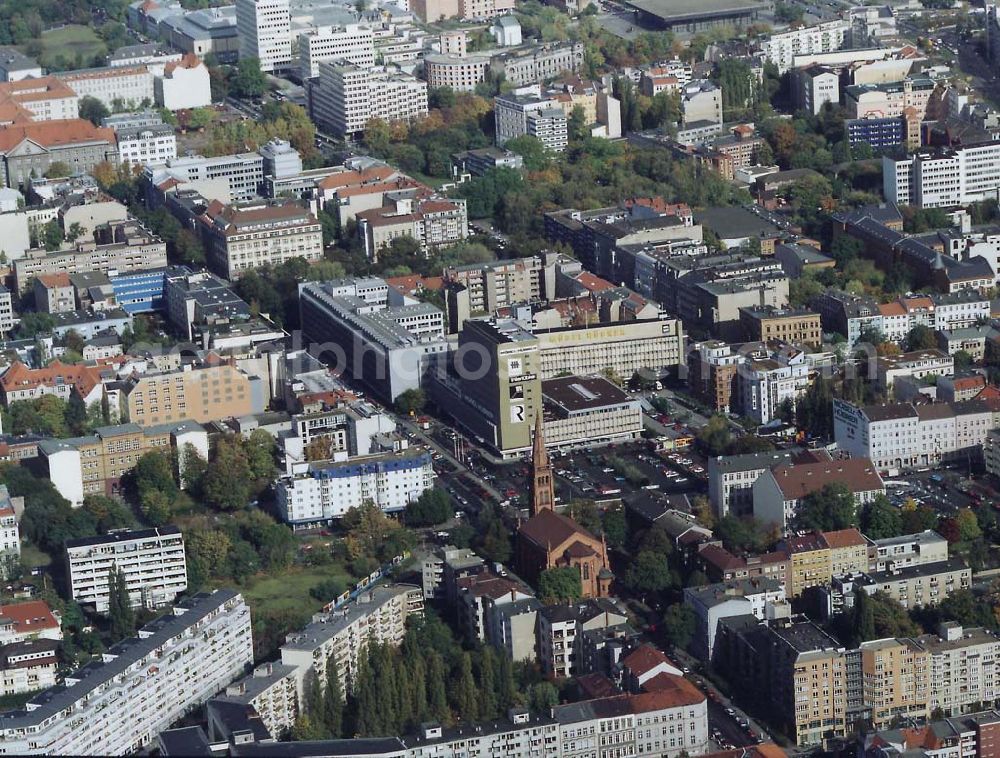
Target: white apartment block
x,y
10,534
518,115
908,550
945,177
139,687
731,479
781,49
184,84
118,87
764,385
271,691
152,561
320,492
243,171
6,310
146,144
46,98
264,28
915,365
963,667
379,614
354,43
903,436
816,86
347,97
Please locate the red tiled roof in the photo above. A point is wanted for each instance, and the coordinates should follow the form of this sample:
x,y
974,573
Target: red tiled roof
x,y
30,617
858,474
990,392
190,60
593,283
59,279
56,133
551,529
644,659
666,691
721,558
20,377
844,538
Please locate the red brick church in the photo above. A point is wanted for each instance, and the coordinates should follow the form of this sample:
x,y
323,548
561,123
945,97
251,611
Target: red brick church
x,y
551,540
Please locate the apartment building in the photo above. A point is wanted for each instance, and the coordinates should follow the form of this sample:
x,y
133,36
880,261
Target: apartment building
x,y
140,145
106,708
354,43
943,177
903,436
27,150
54,293
779,492
10,534
7,321
30,620
814,558
15,66
533,115
815,86
895,680
560,625
788,325
243,171
914,365
847,314
890,100
731,479
431,221
736,597
769,380
318,493
270,690
242,237
712,367
95,465
28,666
781,48
492,285
117,87
119,247
264,28
42,98
378,614
152,561
963,669
919,585
346,97
401,337
184,84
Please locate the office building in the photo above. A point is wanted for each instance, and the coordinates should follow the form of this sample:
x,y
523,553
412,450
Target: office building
x,y
318,493
346,97
242,237
264,28
460,72
532,115
538,63
943,177
903,436
583,411
152,561
384,339
244,172
146,144
353,43
73,142
95,465
377,614
787,325
105,708
128,87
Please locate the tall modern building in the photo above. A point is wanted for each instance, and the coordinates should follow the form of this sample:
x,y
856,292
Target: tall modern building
x,y
265,31
944,177
139,687
152,561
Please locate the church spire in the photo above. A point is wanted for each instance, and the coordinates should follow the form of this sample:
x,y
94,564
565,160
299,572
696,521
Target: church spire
x,y
542,491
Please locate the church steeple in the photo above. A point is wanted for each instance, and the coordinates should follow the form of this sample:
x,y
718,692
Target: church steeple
x,y
543,490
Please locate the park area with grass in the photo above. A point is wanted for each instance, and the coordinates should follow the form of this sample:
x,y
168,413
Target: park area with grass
x,y
70,46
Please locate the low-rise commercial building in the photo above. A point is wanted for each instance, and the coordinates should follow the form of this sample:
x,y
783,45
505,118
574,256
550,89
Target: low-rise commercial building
x,y
585,411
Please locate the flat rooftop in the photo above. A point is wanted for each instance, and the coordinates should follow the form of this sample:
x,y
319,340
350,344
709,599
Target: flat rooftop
x,y
689,10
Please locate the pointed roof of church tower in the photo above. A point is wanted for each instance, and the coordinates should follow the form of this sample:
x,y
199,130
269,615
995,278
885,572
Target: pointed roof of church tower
x,y
539,455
